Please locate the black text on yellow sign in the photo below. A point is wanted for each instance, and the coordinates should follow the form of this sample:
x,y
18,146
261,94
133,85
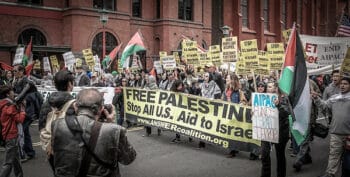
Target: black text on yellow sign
x,y
213,121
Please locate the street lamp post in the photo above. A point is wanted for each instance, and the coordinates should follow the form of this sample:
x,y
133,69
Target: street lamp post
x,y
104,20
226,30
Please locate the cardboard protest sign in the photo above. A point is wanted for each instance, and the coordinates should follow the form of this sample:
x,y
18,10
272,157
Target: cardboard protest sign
x,y
229,49
177,57
46,66
276,55
345,67
89,58
37,65
158,66
189,52
215,54
213,121
54,63
97,67
264,64
168,62
162,54
18,56
69,59
249,52
265,117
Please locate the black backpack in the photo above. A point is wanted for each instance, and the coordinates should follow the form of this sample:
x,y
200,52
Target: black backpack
x,y
2,139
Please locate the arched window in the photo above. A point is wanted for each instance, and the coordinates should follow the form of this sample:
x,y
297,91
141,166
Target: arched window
x,y
111,43
37,36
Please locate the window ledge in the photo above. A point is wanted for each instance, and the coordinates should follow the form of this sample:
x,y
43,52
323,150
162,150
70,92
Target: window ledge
x,y
268,33
246,30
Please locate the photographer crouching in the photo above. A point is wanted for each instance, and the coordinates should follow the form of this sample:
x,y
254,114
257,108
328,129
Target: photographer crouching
x,y
84,146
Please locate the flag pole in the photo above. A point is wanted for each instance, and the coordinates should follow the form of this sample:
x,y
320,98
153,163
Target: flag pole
x,y
340,20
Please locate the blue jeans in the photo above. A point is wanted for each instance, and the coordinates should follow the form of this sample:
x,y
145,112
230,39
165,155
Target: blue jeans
x,y
346,164
27,147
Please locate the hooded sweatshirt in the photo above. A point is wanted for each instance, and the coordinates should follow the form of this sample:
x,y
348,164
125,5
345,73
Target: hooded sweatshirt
x,y
10,117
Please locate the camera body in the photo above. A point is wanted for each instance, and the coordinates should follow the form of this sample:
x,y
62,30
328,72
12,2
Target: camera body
x,y
103,117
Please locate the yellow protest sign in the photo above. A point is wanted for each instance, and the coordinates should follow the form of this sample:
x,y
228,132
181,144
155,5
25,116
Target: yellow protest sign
x,y
177,58
189,52
204,59
54,63
229,49
215,54
37,65
214,121
263,60
276,61
162,54
78,62
89,58
345,67
249,47
275,48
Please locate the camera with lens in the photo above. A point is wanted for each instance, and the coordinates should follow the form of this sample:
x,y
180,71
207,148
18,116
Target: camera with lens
x,y
103,117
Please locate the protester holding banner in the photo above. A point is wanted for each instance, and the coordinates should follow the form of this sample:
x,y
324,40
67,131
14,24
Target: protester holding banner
x,y
303,156
209,89
339,129
282,104
234,94
118,101
151,84
81,78
163,82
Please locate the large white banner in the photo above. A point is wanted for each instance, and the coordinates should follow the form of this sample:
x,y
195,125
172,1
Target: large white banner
x,y
324,51
108,92
18,56
265,117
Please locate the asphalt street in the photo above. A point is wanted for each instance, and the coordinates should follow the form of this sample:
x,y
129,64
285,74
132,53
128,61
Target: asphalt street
x,y
157,157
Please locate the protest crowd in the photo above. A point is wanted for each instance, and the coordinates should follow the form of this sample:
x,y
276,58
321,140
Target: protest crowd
x,y
67,121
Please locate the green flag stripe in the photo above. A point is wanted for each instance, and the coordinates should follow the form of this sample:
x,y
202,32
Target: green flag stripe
x,y
286,80
130,50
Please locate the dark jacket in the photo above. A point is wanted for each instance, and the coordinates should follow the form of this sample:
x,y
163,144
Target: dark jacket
x,y
57,100
34,101
284,112
9,112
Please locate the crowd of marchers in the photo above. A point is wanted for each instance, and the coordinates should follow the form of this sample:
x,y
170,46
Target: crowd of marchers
x,y
80,134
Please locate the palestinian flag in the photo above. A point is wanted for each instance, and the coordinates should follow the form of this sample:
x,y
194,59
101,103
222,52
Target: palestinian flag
x,y
135,45
29,68
27,53
106,62
5,66
294,83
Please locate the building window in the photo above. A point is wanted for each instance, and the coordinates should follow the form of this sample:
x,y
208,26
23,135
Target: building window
x,y
244,11
136,8
284,14
111,43
266,15
185,9
158,9
38,37
32,2
104,4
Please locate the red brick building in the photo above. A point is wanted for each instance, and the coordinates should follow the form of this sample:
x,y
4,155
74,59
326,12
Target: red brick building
x,y
72,25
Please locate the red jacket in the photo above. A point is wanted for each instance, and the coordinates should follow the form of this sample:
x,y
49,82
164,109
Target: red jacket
x,y
10,113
